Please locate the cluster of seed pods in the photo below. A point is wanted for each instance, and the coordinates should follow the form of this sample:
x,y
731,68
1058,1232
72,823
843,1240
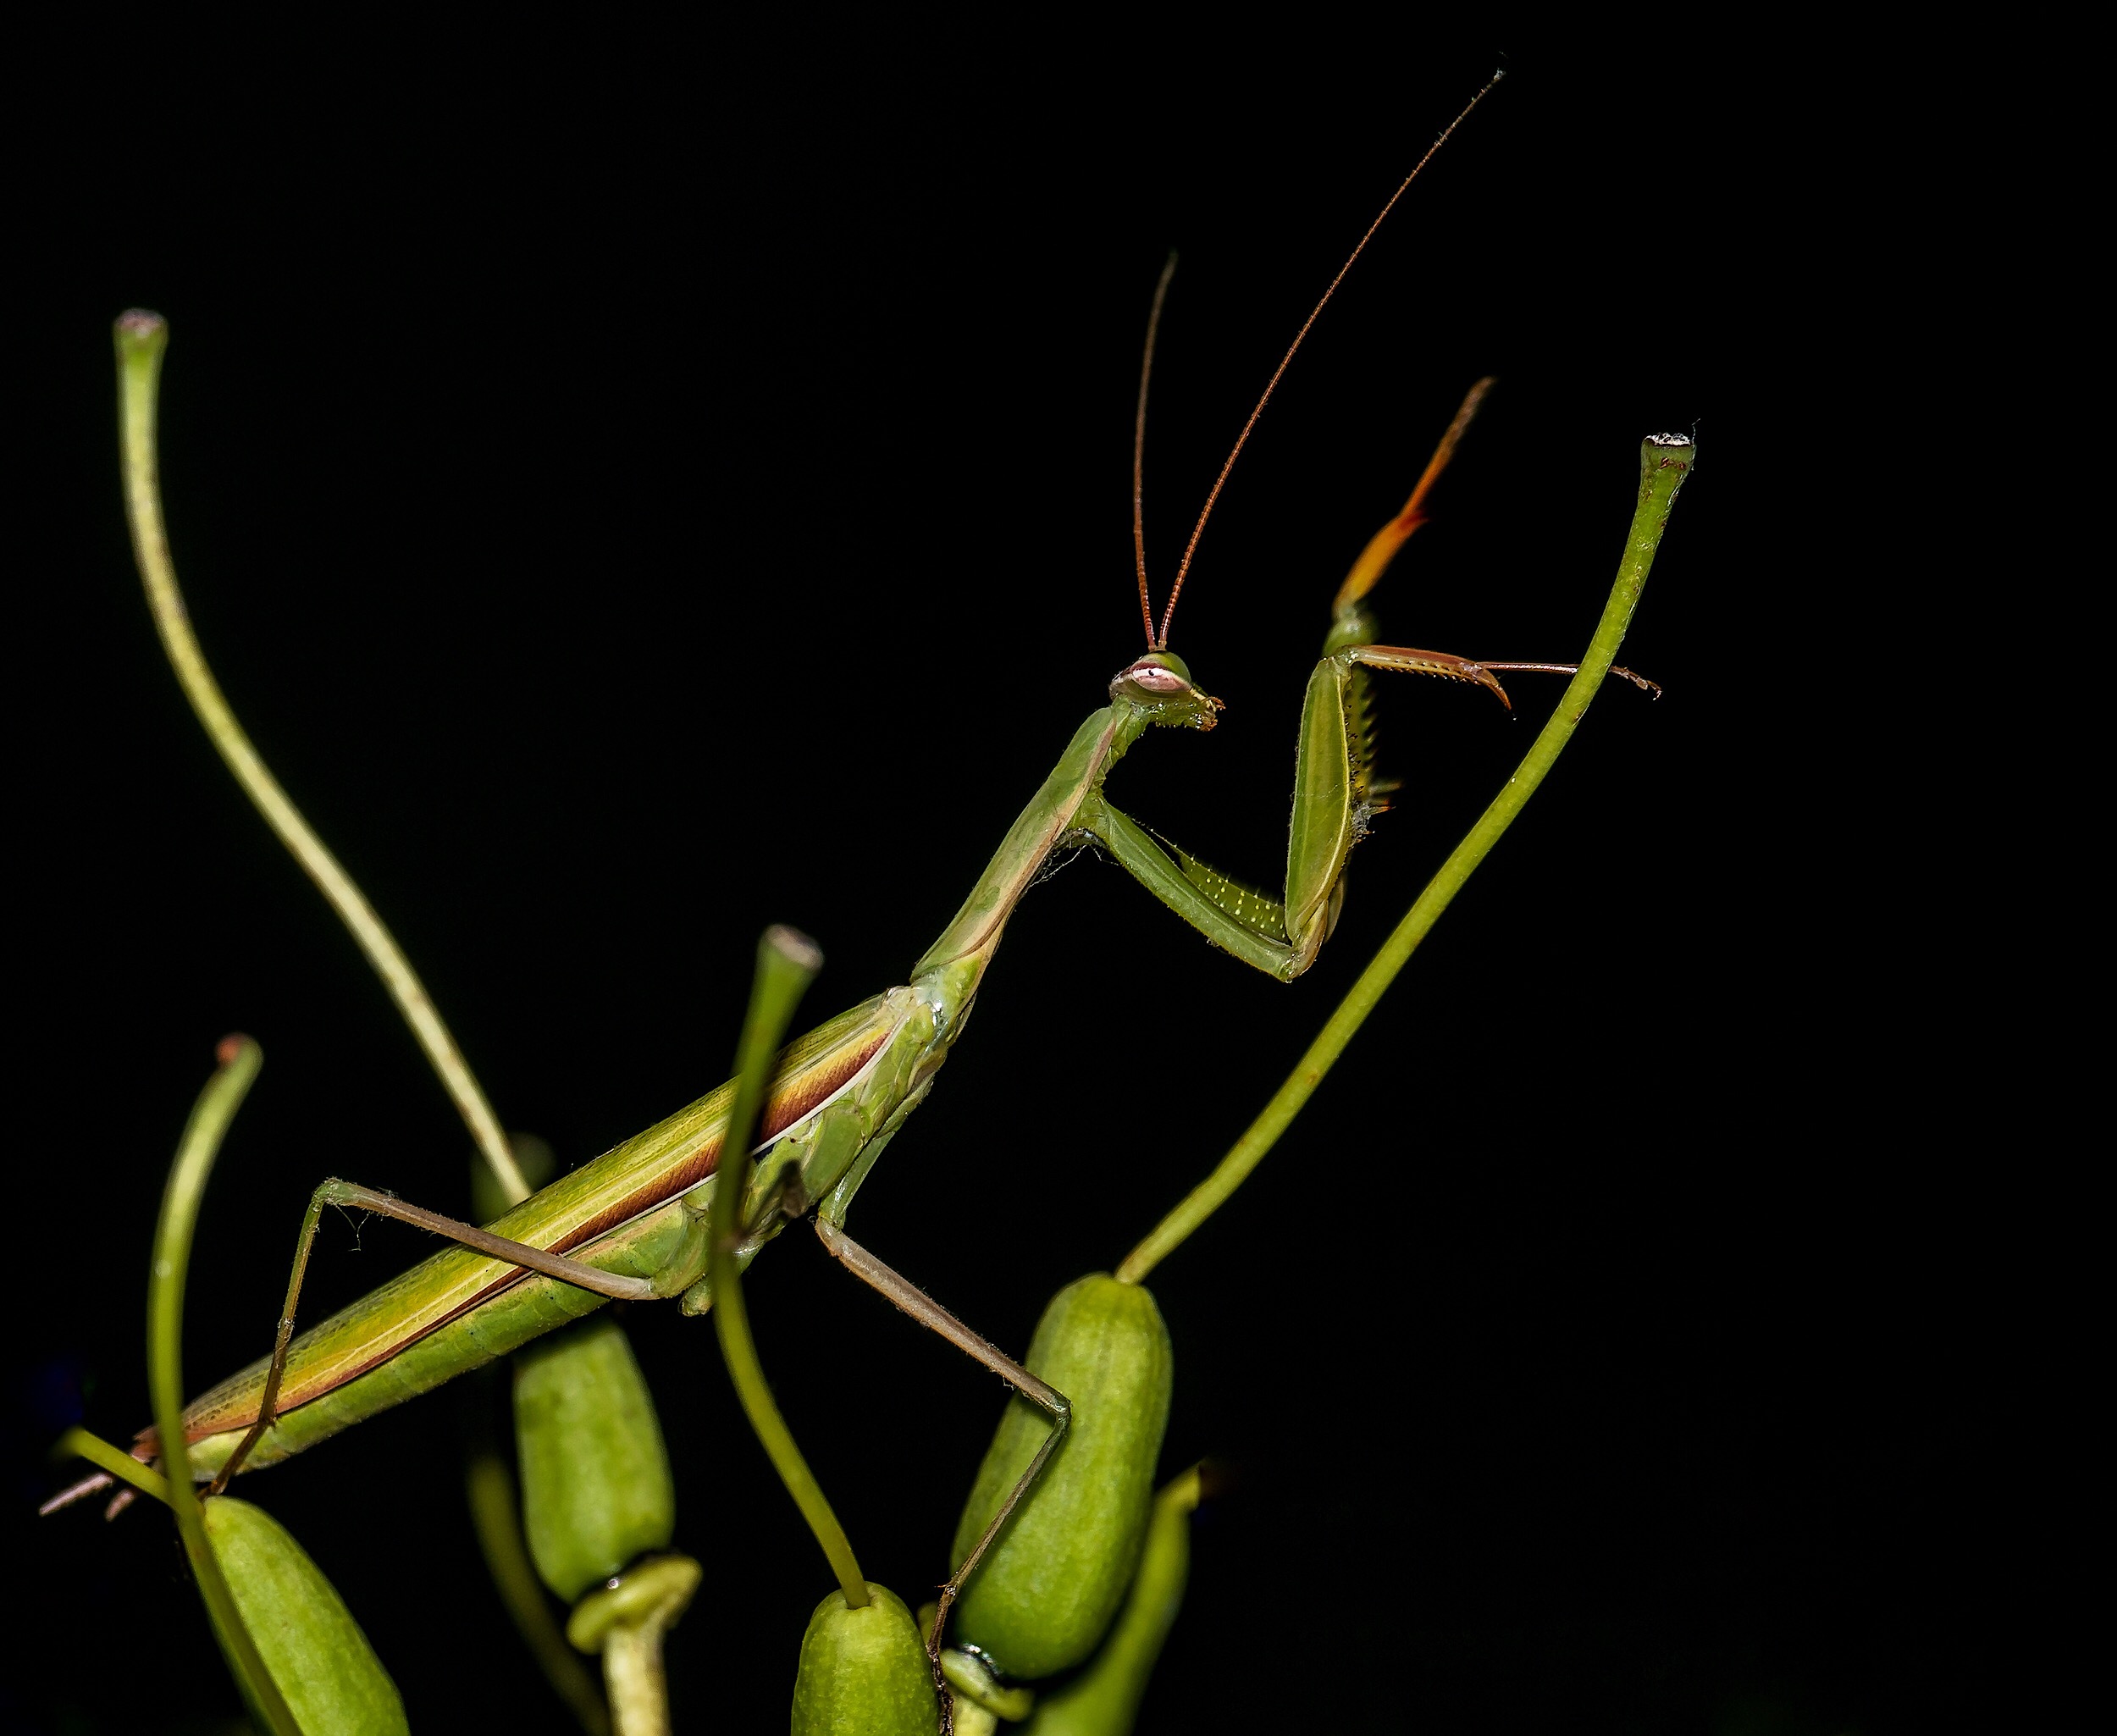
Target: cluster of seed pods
x,y
1085,1578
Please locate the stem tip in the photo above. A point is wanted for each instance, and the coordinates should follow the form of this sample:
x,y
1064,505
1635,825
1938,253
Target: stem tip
x,y
795,946
137,329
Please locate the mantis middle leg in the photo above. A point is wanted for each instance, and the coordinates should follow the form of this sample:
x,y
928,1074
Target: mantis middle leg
x,y
932,1316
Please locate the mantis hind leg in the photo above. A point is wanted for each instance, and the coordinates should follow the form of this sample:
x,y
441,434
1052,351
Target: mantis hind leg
x,y
335,1193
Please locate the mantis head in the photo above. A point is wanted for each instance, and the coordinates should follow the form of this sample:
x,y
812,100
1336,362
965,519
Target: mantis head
x,y
1160,685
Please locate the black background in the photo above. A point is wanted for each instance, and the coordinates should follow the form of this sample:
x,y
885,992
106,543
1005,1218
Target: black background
x,y
635,491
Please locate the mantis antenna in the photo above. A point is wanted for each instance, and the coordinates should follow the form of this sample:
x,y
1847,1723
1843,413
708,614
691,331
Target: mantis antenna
x,y
1160,642
1139,446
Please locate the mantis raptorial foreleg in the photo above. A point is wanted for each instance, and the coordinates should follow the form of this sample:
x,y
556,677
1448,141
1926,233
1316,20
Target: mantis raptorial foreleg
x,y
1336,791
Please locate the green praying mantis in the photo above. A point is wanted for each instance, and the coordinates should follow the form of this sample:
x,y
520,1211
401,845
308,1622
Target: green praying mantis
x,y
633,1225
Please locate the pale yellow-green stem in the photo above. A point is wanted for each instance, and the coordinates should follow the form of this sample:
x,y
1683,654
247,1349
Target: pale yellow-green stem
x,y
495,1516
787,962
239,1058
78,1443
625,1621
142,339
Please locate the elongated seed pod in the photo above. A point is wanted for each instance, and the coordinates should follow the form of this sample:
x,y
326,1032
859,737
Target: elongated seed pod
x,y
1103,1699
1053,1579
863,1672
326,1671
596,1490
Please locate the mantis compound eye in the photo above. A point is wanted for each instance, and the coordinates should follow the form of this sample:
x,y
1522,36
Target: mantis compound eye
x,y
1152,676
1160,685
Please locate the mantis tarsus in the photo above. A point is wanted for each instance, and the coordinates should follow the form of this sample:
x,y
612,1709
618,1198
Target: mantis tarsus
x,y
846,1088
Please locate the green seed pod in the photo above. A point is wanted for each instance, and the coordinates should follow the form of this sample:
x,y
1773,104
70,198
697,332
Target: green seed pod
x,y
330,1676
863,1672
596,1489
1049,1585
1104,1699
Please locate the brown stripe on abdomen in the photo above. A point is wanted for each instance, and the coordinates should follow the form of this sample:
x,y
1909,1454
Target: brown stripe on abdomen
x,y
793,1100
781,1111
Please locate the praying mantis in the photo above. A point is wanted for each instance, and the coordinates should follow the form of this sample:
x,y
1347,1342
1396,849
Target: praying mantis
x,y
846,1091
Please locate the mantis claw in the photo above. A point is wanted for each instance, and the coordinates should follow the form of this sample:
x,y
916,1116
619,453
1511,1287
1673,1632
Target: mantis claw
x,y
93,1483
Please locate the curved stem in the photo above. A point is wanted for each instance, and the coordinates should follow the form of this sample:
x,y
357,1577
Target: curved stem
x,y
239,1058
625,1620
495,1516
786,964
1664,461
636,1681
114,1461
142,339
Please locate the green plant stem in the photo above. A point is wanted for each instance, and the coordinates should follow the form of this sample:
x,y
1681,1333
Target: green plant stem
x,y
491,1488
79,1443
786,964
239,1058
637,1680
141,340
1664,461
625,1620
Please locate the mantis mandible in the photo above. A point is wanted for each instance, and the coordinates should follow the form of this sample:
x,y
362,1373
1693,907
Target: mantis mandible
x,y
630,1224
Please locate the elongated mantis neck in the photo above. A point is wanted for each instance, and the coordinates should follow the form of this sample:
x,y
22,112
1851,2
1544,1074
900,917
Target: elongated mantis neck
x,y
972,938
